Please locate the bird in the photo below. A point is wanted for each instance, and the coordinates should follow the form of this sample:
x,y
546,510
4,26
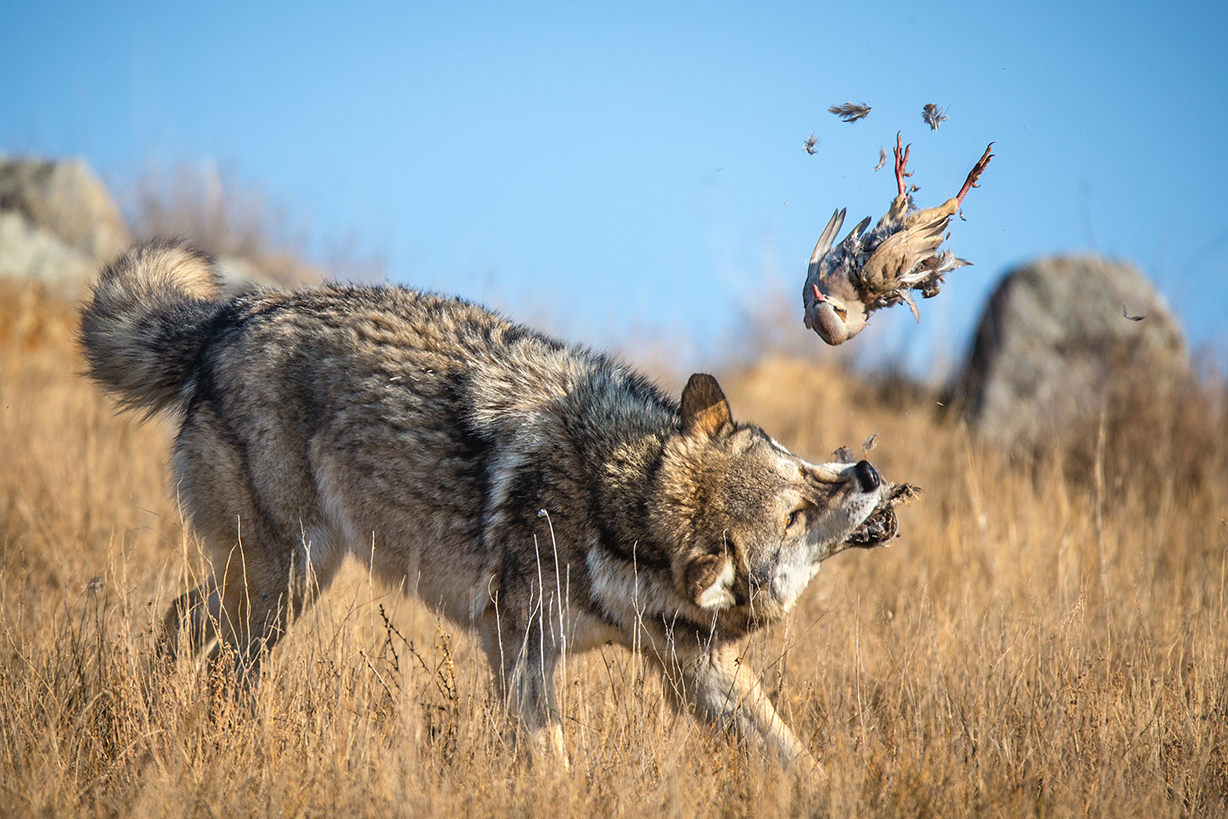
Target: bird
x,y
846,282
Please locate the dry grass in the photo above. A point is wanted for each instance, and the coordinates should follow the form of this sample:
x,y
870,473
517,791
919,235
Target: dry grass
x,y
1048,638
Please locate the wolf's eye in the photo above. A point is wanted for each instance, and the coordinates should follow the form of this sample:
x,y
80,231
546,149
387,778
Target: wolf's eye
x,y
793,518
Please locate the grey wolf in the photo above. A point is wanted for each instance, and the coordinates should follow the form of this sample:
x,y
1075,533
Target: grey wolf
x,y
545,495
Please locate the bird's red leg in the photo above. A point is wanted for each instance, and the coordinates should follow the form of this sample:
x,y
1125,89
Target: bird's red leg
x,y
975,174
901,162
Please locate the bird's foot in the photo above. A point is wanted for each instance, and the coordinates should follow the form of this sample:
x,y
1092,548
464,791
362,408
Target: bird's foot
x,y
975,174
901,162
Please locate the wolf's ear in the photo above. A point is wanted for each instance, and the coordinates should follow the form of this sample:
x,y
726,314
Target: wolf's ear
x,y
704,408
708,580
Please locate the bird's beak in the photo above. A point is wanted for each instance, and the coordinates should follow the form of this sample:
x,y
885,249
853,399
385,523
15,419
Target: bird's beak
x,y
811,304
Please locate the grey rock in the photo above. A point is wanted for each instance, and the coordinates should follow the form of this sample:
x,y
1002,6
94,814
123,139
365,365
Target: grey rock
x,y
1057,340
29,251
67,200
59,224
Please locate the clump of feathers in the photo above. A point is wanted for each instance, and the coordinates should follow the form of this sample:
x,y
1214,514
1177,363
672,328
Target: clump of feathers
x,y
850,111
933,115
882,524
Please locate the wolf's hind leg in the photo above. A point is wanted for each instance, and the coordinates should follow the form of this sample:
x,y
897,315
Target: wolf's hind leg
x,y
189,623
256,507
248,603
523,661
261,594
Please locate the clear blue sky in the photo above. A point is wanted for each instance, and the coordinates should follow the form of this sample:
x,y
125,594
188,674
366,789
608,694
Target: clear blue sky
x,y
616,171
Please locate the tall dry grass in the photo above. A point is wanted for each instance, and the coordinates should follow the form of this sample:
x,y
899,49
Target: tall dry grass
x,y
1048,638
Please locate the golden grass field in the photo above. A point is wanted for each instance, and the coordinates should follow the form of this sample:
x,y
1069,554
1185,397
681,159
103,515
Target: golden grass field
x,y
1049,637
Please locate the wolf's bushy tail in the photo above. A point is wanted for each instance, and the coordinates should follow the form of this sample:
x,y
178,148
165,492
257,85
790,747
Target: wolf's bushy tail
x,y
150,316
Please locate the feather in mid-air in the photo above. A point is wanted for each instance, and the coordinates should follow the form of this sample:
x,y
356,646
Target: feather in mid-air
x,y
933,115
810,142
850,111
869,271
882,158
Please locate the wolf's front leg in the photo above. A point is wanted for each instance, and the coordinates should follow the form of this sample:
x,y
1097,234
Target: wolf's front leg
x,y
523,661
721,691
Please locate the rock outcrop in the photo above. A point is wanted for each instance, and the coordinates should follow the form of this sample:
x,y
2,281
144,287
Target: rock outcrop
x,y
29,251
1056,341
66,200
59,225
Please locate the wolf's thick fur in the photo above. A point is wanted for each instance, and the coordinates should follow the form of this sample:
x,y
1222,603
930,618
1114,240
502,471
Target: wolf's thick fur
x,y
547,496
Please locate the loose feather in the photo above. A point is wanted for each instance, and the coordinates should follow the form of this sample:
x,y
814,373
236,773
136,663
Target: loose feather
x,y
850,111
933,115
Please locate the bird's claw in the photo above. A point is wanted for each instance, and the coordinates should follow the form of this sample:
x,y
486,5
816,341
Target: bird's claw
x,y
975,174
901,162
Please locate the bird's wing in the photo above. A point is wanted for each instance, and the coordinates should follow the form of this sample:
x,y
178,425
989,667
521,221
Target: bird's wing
x,y
888,268
826,238
852,243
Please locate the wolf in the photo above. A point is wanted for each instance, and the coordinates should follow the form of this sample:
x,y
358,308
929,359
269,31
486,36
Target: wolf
x,y
545,495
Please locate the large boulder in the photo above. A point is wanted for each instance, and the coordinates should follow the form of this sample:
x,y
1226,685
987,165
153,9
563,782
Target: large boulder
x,y
66,200
59,224
1057,340
30,252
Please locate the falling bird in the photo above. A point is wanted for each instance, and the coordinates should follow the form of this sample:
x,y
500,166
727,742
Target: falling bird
x,y
869,271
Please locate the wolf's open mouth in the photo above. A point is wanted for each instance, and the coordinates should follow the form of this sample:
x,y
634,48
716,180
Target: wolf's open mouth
x,y
882,525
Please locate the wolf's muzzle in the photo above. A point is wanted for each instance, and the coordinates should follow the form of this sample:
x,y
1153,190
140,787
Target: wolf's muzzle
x,y
867,476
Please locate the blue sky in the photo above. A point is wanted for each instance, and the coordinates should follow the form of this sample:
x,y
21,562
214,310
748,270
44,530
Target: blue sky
x,y
623,172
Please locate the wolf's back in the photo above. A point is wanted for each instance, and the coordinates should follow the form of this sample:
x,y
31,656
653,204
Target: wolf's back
x,y
151,314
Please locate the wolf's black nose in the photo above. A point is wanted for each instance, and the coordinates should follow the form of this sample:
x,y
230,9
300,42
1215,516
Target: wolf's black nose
x,y
867,477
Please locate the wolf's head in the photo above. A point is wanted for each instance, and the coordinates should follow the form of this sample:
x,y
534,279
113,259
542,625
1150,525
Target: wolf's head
x,y
750,521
